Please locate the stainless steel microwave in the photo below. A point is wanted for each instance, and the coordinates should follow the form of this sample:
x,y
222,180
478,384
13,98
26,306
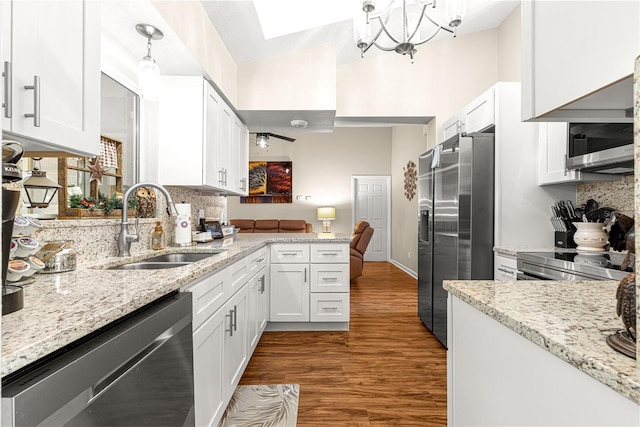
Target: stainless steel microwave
x,y
600,147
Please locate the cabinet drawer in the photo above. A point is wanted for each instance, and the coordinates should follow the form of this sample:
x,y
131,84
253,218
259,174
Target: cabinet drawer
x,y
505,268
256,261
329,277
208,296
327,253
238,275
330,307
289,253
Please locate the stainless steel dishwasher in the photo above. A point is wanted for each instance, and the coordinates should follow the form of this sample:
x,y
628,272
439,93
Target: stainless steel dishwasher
x,y
138,371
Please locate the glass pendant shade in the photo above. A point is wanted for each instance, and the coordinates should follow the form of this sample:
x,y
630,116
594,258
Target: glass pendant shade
x,y
455,10
149,79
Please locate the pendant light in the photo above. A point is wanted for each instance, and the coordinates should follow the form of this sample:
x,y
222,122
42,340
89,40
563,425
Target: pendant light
x,y
148,70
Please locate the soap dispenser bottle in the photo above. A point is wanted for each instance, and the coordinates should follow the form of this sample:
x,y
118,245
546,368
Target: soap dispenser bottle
x,y
157,237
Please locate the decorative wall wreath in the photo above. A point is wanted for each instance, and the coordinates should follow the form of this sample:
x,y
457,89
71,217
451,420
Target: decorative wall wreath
x,y
410,180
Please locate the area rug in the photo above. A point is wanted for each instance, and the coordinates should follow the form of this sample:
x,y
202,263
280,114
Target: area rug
x,y
272,405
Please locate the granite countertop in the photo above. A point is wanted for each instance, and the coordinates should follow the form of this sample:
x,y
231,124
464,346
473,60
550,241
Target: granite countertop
x,y
569,319
514,251
63,307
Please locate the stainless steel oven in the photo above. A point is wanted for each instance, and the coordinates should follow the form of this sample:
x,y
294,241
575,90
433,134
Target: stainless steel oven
x,y
569,264
136,372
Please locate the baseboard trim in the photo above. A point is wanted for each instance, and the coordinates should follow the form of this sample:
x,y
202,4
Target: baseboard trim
x,y
405,269
307,326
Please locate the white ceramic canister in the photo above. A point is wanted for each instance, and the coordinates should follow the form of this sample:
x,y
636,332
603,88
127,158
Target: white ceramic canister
x,y
590,236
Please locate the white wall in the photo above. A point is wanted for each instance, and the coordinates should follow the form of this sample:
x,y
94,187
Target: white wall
x,y
408,142
509,51
303,80
446,75
191,23
322,168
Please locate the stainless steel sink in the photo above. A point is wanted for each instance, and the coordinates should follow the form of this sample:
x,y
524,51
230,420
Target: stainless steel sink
x,y
167,261
143,265
180,257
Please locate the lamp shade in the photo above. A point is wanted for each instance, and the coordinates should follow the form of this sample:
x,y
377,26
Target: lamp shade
x,y
149,78
326,213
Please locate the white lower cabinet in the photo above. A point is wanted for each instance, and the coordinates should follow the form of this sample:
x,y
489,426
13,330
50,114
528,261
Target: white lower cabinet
x,y
496,377
232,307
289,293
258,307
208,370
236,353
309,283
221,344
505,267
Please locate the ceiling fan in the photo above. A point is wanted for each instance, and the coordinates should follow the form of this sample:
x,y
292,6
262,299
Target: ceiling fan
x,y
262,138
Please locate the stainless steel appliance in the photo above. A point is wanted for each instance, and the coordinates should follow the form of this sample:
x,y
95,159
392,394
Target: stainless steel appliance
x,y
136,372
600,147
455,188
569,264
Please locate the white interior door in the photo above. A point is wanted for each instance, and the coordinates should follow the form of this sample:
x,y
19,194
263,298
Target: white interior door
x,y
371,204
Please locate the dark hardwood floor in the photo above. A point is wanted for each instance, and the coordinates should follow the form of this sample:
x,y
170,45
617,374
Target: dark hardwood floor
x,y
387,370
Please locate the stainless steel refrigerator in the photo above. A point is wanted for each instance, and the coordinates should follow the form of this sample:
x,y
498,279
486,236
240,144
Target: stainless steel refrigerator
x,y
455,188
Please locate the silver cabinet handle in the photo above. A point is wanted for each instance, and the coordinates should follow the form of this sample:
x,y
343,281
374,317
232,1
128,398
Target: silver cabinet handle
x,y
329,308
506,270
262,285
224,173
36,101
305,275
220,177
235,318
324,253
288,253
8,90
230,316
329,279
259,261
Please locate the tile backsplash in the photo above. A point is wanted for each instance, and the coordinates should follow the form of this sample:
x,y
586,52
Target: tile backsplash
x,y
612,194
96,239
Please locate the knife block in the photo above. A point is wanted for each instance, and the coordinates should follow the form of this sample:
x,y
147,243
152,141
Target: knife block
x,y
564,239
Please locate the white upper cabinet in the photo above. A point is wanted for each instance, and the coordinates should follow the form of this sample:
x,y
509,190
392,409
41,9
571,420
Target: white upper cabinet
x,y
573,49
480,113
51,51
198,137
451,127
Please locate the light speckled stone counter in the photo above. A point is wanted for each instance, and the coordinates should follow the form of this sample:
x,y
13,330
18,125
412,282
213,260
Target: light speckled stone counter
x,y
569,319
514,251
61,308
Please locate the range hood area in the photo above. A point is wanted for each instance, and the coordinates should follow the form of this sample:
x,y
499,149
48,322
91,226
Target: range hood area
x,y
613,104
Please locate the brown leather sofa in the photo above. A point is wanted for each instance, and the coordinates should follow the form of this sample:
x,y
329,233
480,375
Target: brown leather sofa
x,y
360,239
272,225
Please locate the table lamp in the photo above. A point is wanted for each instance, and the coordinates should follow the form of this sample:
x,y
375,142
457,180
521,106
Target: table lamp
x,y
326,214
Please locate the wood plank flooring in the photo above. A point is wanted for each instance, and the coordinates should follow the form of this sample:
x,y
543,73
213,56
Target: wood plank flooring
x,y
387,370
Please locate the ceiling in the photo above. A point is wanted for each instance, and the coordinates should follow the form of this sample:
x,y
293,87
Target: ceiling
x,y
238,25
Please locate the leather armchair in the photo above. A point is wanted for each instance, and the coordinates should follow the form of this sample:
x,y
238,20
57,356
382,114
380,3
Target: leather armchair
x,y
360,239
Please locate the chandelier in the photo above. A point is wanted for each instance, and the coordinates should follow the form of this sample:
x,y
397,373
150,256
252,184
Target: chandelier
x,y
410,27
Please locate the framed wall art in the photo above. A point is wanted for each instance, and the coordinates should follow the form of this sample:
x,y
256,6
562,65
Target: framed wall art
x,y
269,182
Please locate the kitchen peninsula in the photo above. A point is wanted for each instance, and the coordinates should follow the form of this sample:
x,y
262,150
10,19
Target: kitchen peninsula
x,y
62,308
517,353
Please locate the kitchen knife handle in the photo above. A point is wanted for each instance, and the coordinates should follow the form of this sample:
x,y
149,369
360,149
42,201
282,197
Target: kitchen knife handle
x,y
8,90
